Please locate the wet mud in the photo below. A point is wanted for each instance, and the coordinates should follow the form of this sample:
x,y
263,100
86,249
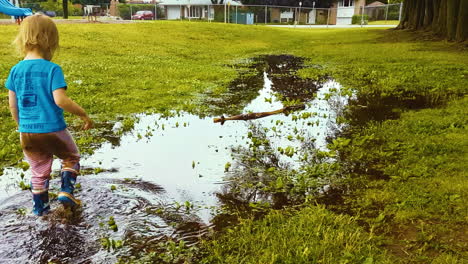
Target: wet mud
x,y
77,237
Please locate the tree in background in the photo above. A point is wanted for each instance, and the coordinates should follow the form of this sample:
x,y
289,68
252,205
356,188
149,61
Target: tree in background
x,y
65,9
52,5
446,18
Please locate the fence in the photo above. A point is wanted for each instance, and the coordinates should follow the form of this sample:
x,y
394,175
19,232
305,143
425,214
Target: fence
x,y
258,14
261,14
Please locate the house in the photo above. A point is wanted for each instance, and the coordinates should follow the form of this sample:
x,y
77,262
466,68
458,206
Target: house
x,y
376,10
340,13
197,9
376,3
290,15
343,11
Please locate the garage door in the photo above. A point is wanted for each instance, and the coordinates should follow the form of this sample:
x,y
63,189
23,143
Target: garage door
x,y
173,12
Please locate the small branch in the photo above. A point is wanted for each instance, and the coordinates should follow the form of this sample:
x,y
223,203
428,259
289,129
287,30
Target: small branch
x,y
250,116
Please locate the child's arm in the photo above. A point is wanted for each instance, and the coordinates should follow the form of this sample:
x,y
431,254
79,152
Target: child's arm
x,y
13,106
67,104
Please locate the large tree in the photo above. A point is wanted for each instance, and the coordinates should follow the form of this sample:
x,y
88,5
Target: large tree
x,y
447,18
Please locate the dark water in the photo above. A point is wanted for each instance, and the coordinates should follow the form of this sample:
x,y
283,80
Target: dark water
x,y
160,181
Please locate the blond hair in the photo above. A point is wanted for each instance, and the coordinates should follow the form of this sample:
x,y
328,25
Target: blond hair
x,y
38,32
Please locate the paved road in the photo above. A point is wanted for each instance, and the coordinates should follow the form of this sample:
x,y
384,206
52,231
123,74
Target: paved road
x,y
334,26
76,21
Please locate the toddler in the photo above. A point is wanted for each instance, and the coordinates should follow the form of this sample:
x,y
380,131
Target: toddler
x,y
37,99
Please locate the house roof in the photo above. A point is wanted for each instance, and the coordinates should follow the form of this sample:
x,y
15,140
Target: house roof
x,y
376,3
196,2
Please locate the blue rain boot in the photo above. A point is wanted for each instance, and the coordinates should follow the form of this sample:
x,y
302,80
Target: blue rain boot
x,y
65,195
41,200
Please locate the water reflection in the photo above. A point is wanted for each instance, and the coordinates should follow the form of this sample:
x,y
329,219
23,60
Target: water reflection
x,y
281,72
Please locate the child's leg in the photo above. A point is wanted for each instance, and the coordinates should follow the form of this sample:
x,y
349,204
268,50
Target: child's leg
x,y
70,157
40,161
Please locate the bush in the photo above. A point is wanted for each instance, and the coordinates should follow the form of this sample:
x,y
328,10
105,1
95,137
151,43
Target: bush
x,y
357,19
55,6
393,15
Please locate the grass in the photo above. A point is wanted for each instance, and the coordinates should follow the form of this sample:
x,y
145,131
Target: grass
x,y
406,176
312,235
417,200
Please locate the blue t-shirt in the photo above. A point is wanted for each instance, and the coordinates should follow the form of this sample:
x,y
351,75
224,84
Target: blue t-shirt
x,y
33,81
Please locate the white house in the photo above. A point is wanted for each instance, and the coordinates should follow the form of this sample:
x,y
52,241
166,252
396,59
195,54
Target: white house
x,y
340,13
345,10
201,9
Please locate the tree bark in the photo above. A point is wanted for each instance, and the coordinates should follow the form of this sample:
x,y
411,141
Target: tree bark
x,y
462,25
452,18
446,18
414,14
442,28
435,13
428,14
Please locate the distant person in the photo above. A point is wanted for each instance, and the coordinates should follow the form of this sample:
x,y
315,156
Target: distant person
x,y
37,99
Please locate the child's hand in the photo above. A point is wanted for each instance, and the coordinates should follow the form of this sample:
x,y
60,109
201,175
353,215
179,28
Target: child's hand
x,y
88,123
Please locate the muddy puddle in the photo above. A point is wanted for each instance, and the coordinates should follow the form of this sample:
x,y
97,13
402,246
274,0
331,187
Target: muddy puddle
x,y
161,180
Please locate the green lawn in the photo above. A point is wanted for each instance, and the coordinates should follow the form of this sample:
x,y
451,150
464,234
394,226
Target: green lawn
x,y
407,177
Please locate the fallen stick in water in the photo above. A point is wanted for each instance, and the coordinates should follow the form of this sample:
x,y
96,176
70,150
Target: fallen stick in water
x,y
250,116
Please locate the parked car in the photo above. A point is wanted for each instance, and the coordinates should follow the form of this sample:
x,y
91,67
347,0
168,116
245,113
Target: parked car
x,y
143,15
50,13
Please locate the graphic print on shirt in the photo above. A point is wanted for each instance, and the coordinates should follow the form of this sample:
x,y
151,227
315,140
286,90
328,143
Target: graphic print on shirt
x,y
28,95
29,100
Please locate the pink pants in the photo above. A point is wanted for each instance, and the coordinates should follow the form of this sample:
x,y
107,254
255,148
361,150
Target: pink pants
x,y
39,150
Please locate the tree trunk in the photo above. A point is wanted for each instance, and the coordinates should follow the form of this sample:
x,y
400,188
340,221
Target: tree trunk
x,y
462,27
447,18
428,14
435,19
422,12
414,14
65,9
404,17
442,28
452,18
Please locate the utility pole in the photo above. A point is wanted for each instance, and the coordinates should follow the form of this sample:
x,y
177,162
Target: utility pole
x,y
386,12
188,10
401,10
299,16
362,16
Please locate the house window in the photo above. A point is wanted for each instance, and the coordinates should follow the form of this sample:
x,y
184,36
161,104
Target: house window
x,y
345,3
196,11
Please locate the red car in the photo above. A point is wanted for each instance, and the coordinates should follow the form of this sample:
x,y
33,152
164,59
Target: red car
x,y
143,15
